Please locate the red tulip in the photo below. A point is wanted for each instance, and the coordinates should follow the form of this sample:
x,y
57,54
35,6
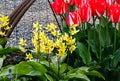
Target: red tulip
x,y
70,2
98,7
114,12
59,7
85,13
73,18
117,1
78,3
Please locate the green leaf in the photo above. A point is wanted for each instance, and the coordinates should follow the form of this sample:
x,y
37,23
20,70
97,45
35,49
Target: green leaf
x,y
49,77
62,68
3,40
78,75
94,48
116,58
54,59
8,50
32,68
95,73
83,52
63,80
85,70
26,68
1,62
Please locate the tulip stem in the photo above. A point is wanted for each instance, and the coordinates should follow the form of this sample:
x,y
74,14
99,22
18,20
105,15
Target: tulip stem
x,y
115,37
83,28
100,49
94,28
88,39
107,33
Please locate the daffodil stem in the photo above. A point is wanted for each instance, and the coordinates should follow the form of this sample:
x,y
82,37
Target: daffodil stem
x,y
48,59
67,63
115,37
58,66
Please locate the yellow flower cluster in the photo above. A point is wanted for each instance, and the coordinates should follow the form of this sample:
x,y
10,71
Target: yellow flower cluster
x,y
52,29
43,43
22,45
64,44
4,20
52,40
73,29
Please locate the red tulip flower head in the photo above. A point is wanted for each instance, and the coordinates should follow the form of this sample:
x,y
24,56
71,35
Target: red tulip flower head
x,y
114,12
73,18
78,3
117,1
98,7
59,7
85,13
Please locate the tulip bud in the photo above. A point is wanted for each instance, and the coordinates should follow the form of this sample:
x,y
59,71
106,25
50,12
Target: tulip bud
x,y
85,13
114,12
73,18
59,7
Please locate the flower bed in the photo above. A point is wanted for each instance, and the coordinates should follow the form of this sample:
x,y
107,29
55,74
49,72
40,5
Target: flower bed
x,y
81,50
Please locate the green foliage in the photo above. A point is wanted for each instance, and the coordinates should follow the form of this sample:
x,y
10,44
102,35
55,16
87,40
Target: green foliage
x,y
56,70
116,58
3,40
83,52
8,50
1,62
26,68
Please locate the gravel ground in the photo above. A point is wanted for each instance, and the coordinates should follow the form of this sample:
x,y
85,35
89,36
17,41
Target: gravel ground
x,y
39,11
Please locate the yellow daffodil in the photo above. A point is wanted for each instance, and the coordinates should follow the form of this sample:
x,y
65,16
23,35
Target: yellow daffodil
x,y
55,33
57,43
7,28
73,26
29,56
70,41
61,50
49,46
74,31
72,48
22,42
51,27
65,36
37,26
2,33
4,19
